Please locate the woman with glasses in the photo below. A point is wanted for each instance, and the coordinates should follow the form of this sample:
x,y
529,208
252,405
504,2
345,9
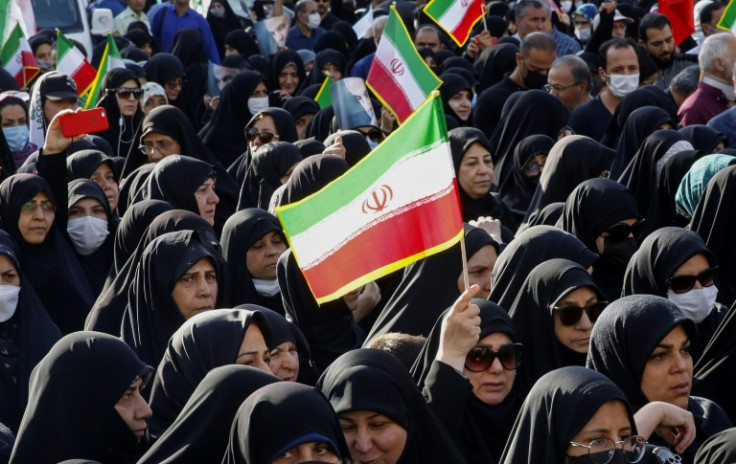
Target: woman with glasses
x,y
467,371
604,215
121,102
575,415
643,343
554,313
674,263
382,413
167,71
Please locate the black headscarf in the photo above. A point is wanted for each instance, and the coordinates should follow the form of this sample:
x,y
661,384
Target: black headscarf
x,y
206,341
639,125
482,429
132,185
224,135
714,221
571,160
279,61
452,84
26,338
531,312
718,449
532,247
356,146
221,27
547,216
325,57
163,68
517,189
269,164
152,316
241,231
132,226
704,138
107,313
311,175
200,433
189,48
52,267
375,380
82,164
175,179
427,288
557,408
278,417
71,403
242,42
493,63
623,340
121,133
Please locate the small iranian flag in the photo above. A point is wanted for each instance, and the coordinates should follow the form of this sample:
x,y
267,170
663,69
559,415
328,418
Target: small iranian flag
x,y
400,202
456,17
71,62
728,18
399,77
324,97
17,57
111,59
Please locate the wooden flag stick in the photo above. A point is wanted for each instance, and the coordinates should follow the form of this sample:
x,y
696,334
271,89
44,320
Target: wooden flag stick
x,y
465,261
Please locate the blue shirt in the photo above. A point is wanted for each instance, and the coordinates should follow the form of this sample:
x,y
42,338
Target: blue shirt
x,y
166,22
566,45
725,123
299,41
362,66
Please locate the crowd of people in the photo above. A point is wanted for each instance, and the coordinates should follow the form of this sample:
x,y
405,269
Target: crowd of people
x,y
151,309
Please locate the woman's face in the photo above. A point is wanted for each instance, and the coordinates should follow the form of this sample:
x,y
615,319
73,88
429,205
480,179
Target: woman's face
x,y
301,125
285,362
159,146
333,71
134,409
8,272
461,105
207,200
153,102
262,256
480,266
129,105
36,218
289,79
263,124
373,437
253,351
196,291
692,267
577,336
476,172
87,207
314,451
173,88
668,373
104,177
15,115
260,91
611,421
492,385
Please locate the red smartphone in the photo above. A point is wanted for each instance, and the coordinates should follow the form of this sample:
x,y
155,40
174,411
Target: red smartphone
x,y
84,122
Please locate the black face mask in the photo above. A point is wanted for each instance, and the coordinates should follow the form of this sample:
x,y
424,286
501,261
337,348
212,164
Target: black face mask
x,y
618,458
618,253
534,80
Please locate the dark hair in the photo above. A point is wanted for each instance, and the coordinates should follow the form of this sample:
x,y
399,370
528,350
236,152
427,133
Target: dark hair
x,y
652,21
404,346
647,66
706,14
538,40
12,100
521,7
615,43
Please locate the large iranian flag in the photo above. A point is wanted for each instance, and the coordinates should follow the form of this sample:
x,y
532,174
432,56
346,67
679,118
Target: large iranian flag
x,y
111,59
72,62
17,58
456,17
396,206
399,77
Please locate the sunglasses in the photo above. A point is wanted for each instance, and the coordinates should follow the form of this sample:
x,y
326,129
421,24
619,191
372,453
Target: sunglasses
x,y
685,283
571,314
126,92
265,137
621,231
374,134
480,358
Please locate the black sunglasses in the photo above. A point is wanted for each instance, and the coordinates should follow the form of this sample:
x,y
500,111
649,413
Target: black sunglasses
x,y
480,358
126,92
620,231
265,137
374,134
570,314
685,283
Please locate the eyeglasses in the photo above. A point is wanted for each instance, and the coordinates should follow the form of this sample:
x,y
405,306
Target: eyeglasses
x,y
46,206
480,358
534,167
685,283
265,137
558,88
602,450
126,92
176,83
621,231
160,146
374,134
571,314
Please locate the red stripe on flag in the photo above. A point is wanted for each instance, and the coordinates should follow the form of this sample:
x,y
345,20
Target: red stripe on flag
x,y
389,89
84,77
472,14
428,226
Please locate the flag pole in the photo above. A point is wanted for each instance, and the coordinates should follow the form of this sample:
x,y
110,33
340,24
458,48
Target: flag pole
x,y
483,10
465,261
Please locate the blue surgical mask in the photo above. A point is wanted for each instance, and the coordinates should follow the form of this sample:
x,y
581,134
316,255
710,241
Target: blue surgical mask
x,y
16,136
371,143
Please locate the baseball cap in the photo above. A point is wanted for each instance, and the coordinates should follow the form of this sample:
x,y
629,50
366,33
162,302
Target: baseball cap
x,y
57,86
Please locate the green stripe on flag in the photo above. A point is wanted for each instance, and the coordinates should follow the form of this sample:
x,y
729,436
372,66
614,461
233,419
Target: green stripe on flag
x,y
424,130
324,97
11,47
399,36
729,16
111,52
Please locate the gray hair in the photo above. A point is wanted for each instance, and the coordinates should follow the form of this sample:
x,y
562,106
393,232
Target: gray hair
x,y
523,6
686,81
578,68
715,46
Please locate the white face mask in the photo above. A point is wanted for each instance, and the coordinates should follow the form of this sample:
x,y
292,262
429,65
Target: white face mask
x,y
8,301
695,304
87,233
257,104
566,6
218,12
314,20
267,287
583,34
621,85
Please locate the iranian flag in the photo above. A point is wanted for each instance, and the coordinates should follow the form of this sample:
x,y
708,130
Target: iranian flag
x,y
399,77
111,59
680,14
17,57
71,62
456,17
728,18
397,205
323,97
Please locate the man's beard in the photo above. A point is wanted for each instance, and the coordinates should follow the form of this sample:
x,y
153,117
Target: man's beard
x,y
662,64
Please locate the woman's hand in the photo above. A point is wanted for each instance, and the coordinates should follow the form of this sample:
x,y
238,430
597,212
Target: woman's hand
x,y
282,94
55,142
363,300
460,330
336,149
490,225
674,424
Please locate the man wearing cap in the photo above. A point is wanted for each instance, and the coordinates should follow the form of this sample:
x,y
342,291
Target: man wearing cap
x,y
582,19
58,92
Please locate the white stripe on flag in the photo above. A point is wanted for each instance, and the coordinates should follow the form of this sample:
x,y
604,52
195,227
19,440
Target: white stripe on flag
x,y
407,83
453,16
363,25
70,62
431,171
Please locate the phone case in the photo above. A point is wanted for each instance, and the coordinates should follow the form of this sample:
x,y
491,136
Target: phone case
x,y
84,122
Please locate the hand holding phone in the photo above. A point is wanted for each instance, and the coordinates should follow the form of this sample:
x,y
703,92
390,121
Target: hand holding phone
x,y
83,122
